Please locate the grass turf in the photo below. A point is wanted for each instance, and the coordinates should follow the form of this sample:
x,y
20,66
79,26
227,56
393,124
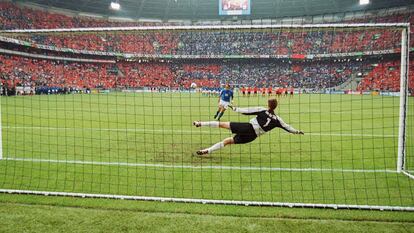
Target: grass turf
x,y
146,140
59,214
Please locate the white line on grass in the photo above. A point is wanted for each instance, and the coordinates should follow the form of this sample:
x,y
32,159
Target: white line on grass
x,y
202,167
208,201
407,173
195,131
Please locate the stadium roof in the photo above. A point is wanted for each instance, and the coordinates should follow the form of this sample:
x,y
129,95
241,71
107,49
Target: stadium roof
x,y
208,9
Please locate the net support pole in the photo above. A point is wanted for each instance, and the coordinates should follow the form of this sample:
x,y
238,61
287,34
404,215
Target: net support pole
x,y
1,130
403,98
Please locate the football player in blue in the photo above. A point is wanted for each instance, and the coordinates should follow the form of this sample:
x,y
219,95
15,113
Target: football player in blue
x,y
225,100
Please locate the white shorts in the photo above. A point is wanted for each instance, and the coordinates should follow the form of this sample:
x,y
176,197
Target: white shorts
x,y
224,104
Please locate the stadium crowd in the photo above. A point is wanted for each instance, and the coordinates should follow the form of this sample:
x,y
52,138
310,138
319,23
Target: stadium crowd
x,y
13,16
385,76
283,42
180,74
223,43
20,71
16,17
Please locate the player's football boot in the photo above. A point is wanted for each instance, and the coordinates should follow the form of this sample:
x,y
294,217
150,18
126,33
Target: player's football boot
x,y
202,152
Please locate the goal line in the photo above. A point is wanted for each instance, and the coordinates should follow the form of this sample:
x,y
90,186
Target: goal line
x,y
208,201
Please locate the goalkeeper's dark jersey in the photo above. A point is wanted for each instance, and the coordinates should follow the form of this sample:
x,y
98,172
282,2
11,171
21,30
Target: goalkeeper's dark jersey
x,y
265,121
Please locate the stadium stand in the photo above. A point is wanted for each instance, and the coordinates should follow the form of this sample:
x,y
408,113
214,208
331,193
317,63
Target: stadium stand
x,y
175,74
12,17
318,75
223,43
386,77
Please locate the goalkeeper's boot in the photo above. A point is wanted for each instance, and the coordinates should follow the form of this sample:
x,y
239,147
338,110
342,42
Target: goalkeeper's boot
x,y
197,123
202,152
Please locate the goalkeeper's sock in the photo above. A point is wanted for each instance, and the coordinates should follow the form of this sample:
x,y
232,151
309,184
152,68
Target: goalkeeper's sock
x,y
214,124
217,113
220,115
216,146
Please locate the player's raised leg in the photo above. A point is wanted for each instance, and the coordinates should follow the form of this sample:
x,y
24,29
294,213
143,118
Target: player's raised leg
x,y
217,146
213,124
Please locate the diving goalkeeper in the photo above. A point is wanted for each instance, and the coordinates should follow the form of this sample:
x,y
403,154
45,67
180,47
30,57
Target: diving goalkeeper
x,y
265,120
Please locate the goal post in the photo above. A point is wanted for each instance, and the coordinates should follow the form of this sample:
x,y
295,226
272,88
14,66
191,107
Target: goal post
x,y
405,51
118,124
1,128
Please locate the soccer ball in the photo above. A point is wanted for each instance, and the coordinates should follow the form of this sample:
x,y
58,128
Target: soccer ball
x,y
193,85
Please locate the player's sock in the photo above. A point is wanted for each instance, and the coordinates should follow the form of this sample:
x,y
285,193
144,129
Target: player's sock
x,y
220,115
217,113
216,146
214,124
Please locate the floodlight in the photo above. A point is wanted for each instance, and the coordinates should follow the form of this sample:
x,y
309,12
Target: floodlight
x,y
115,6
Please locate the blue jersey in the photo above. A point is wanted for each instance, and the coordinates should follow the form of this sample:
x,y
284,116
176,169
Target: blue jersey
x,y
226,95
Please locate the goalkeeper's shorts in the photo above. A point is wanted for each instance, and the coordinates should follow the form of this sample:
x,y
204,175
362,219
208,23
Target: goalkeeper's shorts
x,y
244,132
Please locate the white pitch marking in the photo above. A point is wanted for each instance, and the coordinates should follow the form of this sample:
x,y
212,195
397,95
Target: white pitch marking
x,y
195,131
407,173
353,135
208,201
201,167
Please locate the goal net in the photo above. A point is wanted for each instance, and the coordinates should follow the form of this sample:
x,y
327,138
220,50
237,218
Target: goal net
x,y
109,112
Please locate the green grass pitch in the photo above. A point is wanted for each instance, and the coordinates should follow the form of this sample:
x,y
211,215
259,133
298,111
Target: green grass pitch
x,y
142,144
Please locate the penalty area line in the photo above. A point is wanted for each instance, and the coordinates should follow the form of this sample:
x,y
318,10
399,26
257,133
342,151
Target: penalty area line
x,y
218,167
189,131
